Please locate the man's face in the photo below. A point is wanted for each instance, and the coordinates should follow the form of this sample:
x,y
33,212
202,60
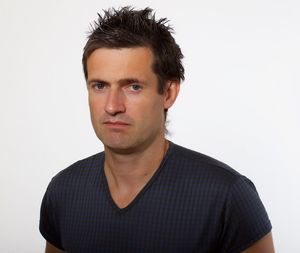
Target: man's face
x,y
126,110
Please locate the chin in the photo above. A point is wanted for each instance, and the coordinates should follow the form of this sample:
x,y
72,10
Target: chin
x,y
120,149
117,145
126,144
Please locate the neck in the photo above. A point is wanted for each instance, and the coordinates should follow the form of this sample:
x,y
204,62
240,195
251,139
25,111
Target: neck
x,y
128,171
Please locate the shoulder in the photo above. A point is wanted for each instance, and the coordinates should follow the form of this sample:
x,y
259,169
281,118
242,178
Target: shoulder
x,y
202,167
223,190
78,172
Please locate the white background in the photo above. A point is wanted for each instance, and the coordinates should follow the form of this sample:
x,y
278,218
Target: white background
x,y
239,103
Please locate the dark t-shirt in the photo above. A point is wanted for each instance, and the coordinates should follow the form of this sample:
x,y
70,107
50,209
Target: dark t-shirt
x,y
193,203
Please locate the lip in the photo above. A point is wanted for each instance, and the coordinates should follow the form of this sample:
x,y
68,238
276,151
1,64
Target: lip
x,y
116,124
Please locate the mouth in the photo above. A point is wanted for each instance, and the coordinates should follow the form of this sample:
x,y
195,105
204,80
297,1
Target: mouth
x,y
116,124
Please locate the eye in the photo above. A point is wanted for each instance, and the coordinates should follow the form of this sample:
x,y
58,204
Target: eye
x,y
99,86
135,87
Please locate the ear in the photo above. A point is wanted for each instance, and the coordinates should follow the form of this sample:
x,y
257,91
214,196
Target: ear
x,y
171,92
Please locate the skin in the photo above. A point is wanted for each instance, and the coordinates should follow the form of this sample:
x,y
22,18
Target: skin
x,y
52,249
264,245
127,114
123,89
128,117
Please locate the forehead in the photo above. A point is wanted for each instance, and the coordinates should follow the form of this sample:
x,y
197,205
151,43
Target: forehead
x,y
120,62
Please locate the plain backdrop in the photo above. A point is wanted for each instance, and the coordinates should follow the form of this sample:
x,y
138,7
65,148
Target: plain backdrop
x,y
239,102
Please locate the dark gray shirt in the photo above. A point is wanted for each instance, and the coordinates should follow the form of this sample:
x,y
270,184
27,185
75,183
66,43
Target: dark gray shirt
x,y
193,203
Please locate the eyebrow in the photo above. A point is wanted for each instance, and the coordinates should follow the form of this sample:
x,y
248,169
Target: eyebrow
x,y
122,81
95,80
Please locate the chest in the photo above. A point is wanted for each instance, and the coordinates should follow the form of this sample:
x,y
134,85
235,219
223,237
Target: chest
x,y
159,219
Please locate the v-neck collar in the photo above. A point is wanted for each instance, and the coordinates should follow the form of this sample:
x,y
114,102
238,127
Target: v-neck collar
x,y
142,191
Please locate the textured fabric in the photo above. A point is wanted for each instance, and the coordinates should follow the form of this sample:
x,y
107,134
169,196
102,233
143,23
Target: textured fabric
x,y
193,203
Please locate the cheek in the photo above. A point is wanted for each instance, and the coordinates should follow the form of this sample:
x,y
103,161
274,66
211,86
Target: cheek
x,y
95,103
158,105
149,110
95,110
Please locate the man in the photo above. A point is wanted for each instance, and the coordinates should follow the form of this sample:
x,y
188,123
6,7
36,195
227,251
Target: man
x,y
145,193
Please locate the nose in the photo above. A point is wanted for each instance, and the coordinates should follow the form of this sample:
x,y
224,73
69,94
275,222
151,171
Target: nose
x,y
115,102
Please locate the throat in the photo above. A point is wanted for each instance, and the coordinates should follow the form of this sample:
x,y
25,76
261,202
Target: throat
x,y
124,189
126,178
123,199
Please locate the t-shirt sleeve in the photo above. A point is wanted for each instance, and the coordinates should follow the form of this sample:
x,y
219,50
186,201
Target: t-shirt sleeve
x,y
49,226
246,220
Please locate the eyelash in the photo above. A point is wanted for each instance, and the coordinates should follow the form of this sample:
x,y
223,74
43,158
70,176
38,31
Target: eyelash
x,y
96,86
133,87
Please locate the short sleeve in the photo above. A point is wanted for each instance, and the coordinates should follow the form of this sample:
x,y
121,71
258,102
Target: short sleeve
x,y
245,218
48,220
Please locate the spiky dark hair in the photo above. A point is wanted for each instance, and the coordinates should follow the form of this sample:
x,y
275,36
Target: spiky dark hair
x,y
128,28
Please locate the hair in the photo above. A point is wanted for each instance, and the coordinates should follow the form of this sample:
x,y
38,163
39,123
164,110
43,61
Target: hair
x,y
129,28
